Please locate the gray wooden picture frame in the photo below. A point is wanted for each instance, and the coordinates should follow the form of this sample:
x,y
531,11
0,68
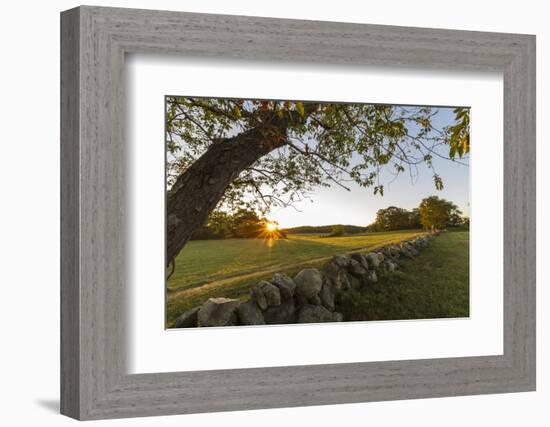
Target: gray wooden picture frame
x,y
94,381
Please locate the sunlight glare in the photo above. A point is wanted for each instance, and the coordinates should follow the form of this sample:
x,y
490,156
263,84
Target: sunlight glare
x,y
270,226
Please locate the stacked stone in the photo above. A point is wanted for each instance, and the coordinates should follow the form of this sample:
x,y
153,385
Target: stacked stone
x,y
309,297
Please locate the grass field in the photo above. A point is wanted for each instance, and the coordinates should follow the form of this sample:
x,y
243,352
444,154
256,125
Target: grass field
x,y
435,284
229,268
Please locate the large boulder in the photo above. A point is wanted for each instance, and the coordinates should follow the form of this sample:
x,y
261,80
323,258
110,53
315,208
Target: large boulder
x,y
373,260
281,314
314,300
286,285
380,256
341,261
360,258
308,282
356,268
338,317
386,251
188,319
327,295
314,314
249,313
331,269
218,312
395,251
405,251
257,295
339,281
271,293
389,266
344,281
371,277
411,250
300,300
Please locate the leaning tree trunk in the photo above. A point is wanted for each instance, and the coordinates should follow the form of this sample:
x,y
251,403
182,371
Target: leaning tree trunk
x,y
199,189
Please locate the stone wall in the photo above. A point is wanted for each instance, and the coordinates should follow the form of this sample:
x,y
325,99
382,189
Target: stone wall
x,y
309,297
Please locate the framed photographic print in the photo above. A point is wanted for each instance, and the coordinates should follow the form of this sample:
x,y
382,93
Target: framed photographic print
x,y
262,213
286,230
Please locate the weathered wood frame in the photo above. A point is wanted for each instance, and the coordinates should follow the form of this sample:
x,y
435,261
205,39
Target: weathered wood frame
x,y
94,382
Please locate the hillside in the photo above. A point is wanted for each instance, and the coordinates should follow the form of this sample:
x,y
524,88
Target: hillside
x,y
325,229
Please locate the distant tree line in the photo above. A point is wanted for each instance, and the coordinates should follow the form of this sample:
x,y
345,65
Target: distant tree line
x,y
327,229
394,218
244,223
433,213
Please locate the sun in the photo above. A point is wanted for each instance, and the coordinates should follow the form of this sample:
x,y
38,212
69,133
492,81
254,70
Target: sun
x,y
270,226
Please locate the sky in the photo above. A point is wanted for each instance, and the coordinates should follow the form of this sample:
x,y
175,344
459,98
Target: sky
x,y
335,205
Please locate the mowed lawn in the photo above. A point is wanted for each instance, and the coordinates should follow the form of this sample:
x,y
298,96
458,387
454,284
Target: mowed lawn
x,y
229,268
435,284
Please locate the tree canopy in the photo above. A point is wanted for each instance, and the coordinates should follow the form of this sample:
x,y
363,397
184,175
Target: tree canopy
x,y
314,144
432,213
436,213
243,223
394,218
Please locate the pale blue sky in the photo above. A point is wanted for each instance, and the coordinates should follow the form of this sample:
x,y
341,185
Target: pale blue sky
x,y
336,205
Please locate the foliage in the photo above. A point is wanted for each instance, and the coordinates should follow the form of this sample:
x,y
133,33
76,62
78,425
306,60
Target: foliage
x,y
244,223
247,223
394,218
459,133
219,226
432,213
436,213
312,144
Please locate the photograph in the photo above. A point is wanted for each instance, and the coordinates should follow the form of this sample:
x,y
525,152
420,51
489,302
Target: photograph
x,y
285,211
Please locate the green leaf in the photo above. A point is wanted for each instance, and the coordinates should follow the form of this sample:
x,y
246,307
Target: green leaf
x,y
237,112
300,108
452,151
438,182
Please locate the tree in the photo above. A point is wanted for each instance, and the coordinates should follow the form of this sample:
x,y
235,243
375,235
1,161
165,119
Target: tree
x,y
414,218
244,223
392,218
219,225
247,223
229,153
436,213
459,133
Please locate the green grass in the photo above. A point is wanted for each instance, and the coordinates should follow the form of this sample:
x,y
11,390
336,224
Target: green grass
x,y
435,284
229,268
204,261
